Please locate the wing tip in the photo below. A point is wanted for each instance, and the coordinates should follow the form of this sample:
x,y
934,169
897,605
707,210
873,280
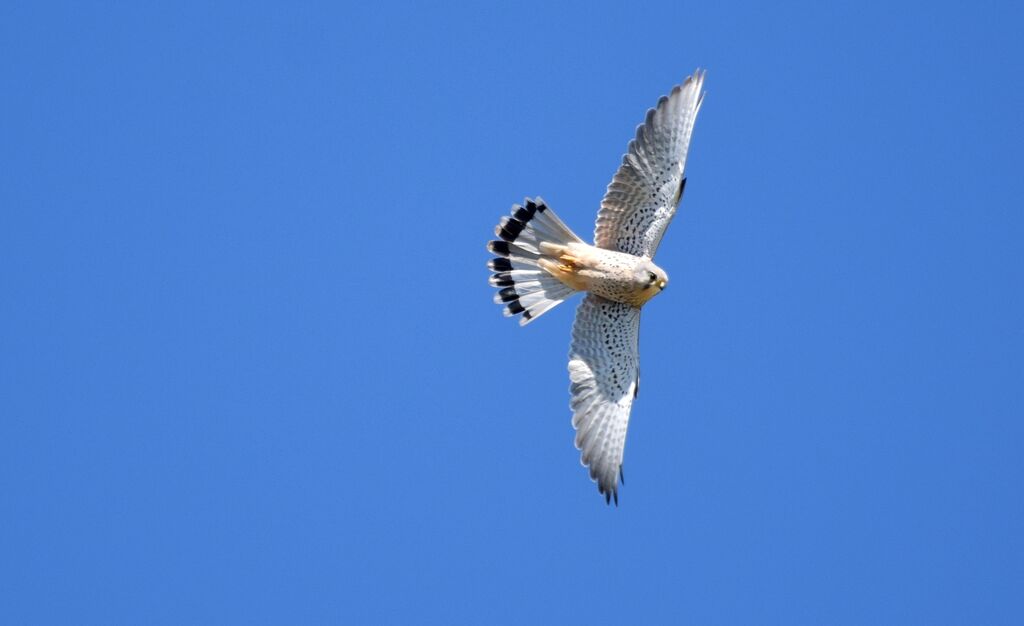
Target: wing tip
x,y
610,494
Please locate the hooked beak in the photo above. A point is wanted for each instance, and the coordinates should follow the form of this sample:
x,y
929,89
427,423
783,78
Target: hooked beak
x,y
662,284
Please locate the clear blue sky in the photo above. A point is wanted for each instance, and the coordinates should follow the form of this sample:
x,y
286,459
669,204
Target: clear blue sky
x,y
250,370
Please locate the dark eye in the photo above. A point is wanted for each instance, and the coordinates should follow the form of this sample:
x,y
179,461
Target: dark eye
x,y
651,276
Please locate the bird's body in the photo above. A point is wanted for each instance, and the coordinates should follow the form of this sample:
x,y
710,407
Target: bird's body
x,y
540,262
616,276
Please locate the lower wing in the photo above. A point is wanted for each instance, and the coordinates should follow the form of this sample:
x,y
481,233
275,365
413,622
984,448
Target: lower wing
x,y
604,366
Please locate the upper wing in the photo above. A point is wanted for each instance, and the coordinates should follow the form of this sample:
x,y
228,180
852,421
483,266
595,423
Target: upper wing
x,y
604,367
644,193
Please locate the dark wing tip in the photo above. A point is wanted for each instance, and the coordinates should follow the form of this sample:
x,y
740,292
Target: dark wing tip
x,y
679,192
610,493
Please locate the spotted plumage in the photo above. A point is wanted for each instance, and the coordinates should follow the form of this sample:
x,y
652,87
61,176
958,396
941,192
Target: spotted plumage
x,y
540,262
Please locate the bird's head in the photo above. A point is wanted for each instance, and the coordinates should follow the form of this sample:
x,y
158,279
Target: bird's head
x,y
650,280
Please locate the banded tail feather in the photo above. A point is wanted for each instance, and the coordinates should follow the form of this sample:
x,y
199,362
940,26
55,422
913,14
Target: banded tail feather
x,y
522,285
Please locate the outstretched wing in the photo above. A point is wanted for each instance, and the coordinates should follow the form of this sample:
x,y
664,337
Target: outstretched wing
x,y
644,193
604,367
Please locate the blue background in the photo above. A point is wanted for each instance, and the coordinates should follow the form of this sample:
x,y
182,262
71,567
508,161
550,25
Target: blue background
x,y
252,373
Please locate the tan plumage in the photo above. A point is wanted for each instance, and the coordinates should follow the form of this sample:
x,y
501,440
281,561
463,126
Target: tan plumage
x,y
541,262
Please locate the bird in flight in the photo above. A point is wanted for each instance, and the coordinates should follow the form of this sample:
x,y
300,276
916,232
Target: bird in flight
x,y
540,262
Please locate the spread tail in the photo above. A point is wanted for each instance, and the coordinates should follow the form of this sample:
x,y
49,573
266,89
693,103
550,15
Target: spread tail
x,y
523,285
